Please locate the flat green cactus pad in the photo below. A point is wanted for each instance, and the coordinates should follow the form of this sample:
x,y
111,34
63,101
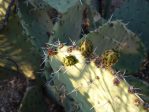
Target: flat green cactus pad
x,y
36,23
114,35
69,25
137,18
83,87
16,46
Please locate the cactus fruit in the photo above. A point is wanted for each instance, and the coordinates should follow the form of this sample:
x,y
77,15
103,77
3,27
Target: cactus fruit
x,y
114,35
137,19
84,87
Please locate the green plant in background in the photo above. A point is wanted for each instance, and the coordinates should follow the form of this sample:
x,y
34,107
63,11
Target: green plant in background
x,y
107,8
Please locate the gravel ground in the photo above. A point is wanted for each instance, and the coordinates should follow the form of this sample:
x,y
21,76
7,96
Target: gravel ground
x,y
11,94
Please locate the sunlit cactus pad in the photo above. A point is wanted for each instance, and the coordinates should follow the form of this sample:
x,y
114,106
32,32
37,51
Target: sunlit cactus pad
x,y
84,87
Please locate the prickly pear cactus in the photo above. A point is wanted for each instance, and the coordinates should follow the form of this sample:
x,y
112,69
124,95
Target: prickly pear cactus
x,y
82,86
69,25
114,35
136,17
53,23
36,21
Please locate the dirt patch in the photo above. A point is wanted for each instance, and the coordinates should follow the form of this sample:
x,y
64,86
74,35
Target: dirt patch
x,y
11,93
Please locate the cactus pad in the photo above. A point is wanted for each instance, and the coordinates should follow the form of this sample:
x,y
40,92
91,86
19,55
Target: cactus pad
x,y
84,87
15,45
69,25
115,35
137,18
35,22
